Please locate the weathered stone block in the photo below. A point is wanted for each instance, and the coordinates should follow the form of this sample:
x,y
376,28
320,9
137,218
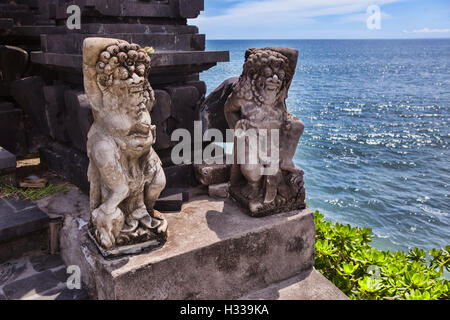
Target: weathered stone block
x,y
218,190
212,110
160,114
208,174
12,131
19,217
55,108
228,256
78,118
310,285
29,93
7,167
13,62
7,159
184,110
67,162
39,283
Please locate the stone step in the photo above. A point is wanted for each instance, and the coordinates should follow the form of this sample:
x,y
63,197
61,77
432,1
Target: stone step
x,y
181,9
310,285
214,251
72,43
23,228
160,60
37,277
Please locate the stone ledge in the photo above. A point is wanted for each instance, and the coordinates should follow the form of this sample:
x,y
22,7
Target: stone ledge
x,y
214,251
311,285
19,217
7,159
159,59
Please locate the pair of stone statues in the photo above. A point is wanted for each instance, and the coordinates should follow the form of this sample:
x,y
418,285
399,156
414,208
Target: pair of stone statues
x,y
126,174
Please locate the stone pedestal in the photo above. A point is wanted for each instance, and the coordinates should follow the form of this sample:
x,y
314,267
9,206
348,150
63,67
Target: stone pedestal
x,y
214,251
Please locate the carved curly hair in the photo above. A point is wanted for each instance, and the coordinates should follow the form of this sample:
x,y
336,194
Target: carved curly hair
x,y
119,62
256,62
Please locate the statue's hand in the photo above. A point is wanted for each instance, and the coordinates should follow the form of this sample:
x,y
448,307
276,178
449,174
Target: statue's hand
x,y
108,225
242,124
153,131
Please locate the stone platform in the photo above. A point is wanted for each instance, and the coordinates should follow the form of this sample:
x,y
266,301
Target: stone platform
x,y
23,228
214,251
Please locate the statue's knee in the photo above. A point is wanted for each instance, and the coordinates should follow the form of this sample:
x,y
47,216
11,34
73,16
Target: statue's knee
x,y
252,172
159,182
299,126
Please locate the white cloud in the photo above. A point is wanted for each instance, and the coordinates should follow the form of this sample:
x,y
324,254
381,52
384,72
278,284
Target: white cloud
x,y
427,30
266,16
362,17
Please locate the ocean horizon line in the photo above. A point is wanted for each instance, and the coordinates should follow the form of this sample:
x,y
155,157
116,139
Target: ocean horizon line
x,y
328,39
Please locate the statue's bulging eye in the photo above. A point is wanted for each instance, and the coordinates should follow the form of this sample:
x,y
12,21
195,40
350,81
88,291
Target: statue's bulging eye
x,y
267,72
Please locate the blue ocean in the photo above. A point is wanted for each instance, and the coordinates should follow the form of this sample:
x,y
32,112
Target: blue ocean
x,y
376,147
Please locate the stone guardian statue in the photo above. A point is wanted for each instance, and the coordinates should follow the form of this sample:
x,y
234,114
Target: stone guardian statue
x,y
125,174
258,104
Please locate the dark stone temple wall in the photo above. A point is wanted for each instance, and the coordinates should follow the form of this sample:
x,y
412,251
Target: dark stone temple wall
x,y
43,105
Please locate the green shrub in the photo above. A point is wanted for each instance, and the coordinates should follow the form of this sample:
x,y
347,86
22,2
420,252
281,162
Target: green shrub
x,y
345,257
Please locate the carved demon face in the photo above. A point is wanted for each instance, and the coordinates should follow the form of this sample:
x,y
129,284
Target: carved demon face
x,y
127,96
267,73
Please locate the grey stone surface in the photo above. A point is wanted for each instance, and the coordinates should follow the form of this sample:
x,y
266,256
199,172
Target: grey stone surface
x,y
19,218
6,106
160,60
63,293
37,277
13,62
12,132
30,286
10,271
78,118
227,256
46,261
7,159
171,203
33,102
310,285
55,110
160,114
208,174
32,242
137,8
212,110
218,190
180,176
72,43
68,162
183,107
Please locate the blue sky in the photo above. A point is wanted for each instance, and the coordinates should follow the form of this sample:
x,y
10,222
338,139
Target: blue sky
x,y
323,19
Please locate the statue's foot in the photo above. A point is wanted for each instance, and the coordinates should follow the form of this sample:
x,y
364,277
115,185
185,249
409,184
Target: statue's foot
x,y
150,223
291,167
140,213
130,226
250,192
106,240
162,227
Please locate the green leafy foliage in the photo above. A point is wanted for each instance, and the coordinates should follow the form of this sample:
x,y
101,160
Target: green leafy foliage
x,y
345,257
